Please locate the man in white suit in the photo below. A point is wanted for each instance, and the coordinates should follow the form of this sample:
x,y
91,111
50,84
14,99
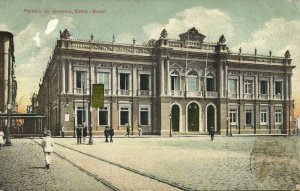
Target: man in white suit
x,y
48,148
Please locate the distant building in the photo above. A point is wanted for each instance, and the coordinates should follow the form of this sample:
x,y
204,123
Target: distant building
x,y
8,83
186,84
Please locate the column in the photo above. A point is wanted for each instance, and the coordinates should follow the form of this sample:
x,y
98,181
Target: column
x,y
162,78
154,81
271,89
290,86
287,87
167,78
70,80
220,78
256,85
226,80
241,89
134,81
93,79
63,91
114,81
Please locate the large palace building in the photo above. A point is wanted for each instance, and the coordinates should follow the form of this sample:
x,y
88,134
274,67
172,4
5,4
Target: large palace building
x,y
182,86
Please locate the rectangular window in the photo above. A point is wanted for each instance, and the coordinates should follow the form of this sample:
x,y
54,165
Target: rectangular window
x,y
264,87
193,84
248,86
278,116
144,116
232,116
124,81
210,84
174,83
144,82
263,117
278,88
103,116
248,117
124,116
103,78
81,80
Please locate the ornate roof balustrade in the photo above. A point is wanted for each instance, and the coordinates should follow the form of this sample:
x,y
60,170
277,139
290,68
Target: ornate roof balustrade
x,y
98,46
259,59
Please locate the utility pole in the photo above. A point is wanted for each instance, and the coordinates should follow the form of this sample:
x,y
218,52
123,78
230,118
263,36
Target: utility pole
x,y
90,96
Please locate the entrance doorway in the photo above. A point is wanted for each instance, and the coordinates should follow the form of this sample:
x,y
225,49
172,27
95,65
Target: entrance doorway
x,y
210,117
193,117
175,118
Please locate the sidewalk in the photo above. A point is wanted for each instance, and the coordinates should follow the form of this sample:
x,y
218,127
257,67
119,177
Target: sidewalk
x,y
22,168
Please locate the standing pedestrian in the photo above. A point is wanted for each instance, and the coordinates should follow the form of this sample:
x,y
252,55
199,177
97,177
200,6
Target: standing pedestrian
x,y
79,133
111,133
1,138
84,133
212,133
140,131
48,145
127,131
106,134
62,131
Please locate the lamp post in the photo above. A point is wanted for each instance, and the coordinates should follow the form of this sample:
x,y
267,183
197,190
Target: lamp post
x,y
170,117
90,96
8,105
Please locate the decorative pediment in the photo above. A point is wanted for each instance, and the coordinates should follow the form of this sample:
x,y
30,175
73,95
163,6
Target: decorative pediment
x,y
192,35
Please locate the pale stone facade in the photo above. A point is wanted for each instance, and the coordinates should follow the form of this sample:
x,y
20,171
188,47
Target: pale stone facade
x,y
186,84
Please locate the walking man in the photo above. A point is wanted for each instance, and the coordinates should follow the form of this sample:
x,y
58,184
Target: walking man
x,y
127,131
212,133
48,145
79,133
106,134
111,133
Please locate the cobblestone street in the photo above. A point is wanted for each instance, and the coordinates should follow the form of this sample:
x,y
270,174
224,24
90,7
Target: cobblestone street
x,y
196,163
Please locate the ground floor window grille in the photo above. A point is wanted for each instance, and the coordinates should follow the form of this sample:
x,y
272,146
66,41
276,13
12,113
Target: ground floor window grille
x,y
263,117
124,116
278,117
103,116
144,116
249,117
232,116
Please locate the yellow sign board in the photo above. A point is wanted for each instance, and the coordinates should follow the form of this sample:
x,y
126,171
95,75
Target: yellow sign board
x,y
98,96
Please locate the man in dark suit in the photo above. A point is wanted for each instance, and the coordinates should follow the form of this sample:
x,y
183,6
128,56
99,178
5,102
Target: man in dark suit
x,y
111,133
79,134
106,134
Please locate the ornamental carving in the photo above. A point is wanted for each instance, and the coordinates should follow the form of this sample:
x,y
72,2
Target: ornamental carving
x,y
249,74
103,65
233,73
164,34
222,39
143,68
151,43
287,54
124,66
192,35
65,35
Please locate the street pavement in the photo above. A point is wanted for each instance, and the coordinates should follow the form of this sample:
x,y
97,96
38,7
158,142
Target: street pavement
x,y
197,163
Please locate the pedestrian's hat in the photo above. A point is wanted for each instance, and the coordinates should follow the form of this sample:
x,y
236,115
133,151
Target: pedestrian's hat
x,y
48,132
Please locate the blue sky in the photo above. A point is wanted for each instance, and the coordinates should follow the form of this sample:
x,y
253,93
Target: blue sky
x,y
267,25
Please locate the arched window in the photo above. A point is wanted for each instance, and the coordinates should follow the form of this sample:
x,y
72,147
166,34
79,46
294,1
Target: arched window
x,y
193,81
